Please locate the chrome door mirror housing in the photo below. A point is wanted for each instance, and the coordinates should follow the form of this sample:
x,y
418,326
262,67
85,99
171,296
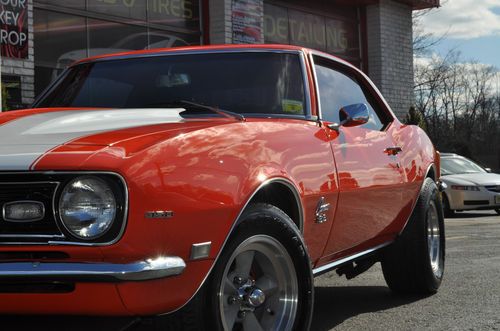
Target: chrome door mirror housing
x,y
352,115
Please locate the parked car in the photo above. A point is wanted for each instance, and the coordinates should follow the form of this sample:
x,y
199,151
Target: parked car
x,y
212,183
469,186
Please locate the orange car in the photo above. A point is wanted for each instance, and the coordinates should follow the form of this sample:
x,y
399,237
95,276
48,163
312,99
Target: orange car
x,y
215,181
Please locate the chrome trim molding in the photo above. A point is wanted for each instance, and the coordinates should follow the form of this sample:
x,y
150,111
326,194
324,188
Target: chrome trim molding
x,y
173,52
351,67
307,88
327,267
150,269
316,86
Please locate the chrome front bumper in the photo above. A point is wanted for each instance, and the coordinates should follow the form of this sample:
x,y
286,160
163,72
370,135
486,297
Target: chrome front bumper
x,y
92,272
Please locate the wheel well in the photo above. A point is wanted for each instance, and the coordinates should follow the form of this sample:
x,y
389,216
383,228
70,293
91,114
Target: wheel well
x,y
281,195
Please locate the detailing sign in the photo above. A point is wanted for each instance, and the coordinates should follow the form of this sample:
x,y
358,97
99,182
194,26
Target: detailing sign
x,y
14,28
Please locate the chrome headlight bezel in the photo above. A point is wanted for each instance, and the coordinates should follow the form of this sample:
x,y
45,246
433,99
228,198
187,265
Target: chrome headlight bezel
x,y
113,233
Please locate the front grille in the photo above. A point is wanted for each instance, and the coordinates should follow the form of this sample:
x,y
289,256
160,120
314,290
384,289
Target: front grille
x,y
36,231
45,188
493,188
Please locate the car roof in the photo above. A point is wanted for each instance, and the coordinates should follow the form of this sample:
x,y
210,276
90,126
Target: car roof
x,y
194,49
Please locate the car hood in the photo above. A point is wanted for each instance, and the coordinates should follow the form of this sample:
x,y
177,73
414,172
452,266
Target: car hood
x,y
480,179
25,136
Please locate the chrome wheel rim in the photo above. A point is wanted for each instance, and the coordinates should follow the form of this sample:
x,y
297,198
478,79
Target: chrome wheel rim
x,y
259,287
434,240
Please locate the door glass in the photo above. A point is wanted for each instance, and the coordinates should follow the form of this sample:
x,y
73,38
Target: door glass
x,y
336,91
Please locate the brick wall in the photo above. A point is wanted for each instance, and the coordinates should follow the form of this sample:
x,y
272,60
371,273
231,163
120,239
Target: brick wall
x,y
220,22
390,52
24,68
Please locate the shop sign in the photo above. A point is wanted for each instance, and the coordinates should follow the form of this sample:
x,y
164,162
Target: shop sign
x,y
288,26
14,28
247,21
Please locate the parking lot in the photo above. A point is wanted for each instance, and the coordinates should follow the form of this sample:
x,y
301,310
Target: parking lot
x,y
469,298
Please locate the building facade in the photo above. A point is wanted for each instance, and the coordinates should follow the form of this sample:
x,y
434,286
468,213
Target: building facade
x,y
39,38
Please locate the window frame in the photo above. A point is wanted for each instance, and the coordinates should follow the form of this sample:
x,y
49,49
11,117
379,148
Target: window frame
x,y
372,95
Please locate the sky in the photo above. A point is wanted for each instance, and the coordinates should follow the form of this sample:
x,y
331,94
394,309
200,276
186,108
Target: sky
x,y
469,26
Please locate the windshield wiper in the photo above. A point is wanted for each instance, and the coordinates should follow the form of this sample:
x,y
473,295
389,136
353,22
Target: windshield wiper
x,y
189,105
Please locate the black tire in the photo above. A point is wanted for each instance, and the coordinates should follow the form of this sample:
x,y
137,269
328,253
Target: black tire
x,y
259,222
448,212
497,210
406,264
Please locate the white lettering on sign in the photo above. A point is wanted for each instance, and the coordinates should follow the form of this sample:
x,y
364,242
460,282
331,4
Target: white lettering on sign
x,y
14,3
14,30
9,17
13,38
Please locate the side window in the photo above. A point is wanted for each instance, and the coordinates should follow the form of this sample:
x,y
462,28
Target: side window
x,y
337,90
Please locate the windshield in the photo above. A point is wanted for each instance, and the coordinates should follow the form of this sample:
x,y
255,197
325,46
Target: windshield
x,y
459,165
245,83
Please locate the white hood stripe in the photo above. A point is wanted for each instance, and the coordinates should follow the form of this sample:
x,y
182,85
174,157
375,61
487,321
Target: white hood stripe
x,y
24,140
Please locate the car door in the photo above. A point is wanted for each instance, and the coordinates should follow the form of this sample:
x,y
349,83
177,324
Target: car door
x,y
371,181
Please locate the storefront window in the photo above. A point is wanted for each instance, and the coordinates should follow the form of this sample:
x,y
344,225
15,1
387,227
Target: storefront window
x,y
338,34
60,40
78,4
135,9
306,29
64,36
164,39
276,25
108,37
179,13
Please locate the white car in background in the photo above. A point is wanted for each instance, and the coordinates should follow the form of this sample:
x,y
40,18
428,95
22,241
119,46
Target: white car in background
x,y
469,186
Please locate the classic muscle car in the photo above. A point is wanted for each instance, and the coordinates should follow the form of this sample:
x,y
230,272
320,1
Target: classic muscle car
x,y
207,186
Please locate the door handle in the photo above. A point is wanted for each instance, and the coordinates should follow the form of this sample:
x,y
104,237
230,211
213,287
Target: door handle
x,y
392,151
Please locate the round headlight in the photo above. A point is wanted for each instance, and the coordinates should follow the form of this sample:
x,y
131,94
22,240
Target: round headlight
x,y
87,207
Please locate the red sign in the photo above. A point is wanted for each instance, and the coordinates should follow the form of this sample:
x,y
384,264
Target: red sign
x,y
247,21
14,28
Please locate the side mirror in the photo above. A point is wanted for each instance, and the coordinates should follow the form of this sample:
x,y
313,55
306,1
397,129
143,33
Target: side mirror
x,y
352,115
487,169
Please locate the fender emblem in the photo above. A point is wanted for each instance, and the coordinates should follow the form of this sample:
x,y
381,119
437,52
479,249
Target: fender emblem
x,y
159,214
322,210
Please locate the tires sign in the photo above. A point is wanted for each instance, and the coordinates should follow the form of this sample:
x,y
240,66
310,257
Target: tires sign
x,y
14,28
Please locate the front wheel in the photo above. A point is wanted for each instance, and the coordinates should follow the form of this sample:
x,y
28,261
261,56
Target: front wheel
x,y
415,262
263,279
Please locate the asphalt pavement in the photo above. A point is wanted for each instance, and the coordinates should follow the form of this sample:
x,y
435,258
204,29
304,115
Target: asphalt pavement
x,y
469,297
